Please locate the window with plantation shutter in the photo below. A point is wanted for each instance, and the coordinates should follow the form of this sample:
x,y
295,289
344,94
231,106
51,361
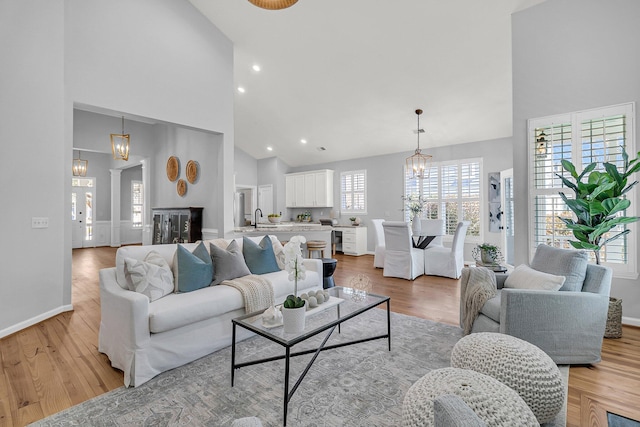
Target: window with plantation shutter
x,y
136,204
353,192
451,192
583,138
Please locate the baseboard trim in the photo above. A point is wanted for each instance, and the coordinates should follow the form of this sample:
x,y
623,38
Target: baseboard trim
x,y
631,321
34,320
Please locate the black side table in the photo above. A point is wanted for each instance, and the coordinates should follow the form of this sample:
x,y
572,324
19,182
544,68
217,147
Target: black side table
x,y
328,267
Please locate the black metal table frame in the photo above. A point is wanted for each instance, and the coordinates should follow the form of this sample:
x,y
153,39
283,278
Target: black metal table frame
x,y
331,326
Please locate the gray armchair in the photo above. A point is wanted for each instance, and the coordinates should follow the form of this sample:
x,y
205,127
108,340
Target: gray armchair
x,y
568,324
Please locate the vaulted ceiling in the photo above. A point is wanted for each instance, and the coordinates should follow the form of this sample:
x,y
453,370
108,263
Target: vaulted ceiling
x,y
348,75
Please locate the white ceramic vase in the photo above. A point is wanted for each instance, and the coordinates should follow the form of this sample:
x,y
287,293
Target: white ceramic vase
x,y
293,319
416,227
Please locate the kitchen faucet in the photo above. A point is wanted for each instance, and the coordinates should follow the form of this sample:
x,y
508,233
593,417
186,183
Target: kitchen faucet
x,y
255,217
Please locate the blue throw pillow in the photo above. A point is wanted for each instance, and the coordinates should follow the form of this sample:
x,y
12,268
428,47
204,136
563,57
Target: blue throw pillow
x,y
192,271
259,257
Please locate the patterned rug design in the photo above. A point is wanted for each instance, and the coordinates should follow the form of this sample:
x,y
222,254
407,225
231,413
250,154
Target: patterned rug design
x,y
359,385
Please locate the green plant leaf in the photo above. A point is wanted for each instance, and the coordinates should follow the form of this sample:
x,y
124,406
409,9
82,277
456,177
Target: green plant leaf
x,y
581,236
635,168
603,188
587,170
569,167
586,229
614,205
584,245
568,183
629,187
613,172
614,237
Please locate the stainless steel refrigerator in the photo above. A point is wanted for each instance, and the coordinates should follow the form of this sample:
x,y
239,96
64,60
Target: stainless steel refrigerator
x,y
238,209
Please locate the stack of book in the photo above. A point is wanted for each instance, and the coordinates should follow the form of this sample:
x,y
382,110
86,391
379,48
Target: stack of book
x,y
495,267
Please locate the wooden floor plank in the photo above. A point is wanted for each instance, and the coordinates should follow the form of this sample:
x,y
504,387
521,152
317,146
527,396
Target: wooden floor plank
x,y
45,373
67,346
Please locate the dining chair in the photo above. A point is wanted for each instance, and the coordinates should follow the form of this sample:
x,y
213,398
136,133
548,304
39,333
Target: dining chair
x,y
444,261
401,259
378,257
433,227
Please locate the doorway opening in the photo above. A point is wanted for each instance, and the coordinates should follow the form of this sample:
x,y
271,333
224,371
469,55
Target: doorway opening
x,y
82,209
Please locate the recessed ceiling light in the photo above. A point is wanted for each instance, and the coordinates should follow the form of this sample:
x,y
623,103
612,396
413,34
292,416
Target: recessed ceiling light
x,y
241,89
270,148
256,67
304,141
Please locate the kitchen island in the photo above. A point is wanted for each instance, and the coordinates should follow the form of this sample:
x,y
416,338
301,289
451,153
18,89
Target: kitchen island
x,y
285,231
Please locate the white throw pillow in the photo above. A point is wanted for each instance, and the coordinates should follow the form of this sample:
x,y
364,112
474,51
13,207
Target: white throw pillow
x,y
525,277
278,251
151,277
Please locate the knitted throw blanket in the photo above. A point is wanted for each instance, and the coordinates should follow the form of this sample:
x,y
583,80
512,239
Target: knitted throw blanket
x,y
256,291
481,287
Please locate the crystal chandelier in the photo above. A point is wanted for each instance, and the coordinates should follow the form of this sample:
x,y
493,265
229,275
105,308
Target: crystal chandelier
x,y
273,4
419,163
120,144
79,166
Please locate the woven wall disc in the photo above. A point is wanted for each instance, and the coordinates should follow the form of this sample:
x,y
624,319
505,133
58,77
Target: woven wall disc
x,y
192,171
173,168
181,187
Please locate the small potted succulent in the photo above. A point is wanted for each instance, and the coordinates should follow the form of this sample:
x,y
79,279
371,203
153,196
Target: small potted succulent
x,y
354,220
293,314
274,218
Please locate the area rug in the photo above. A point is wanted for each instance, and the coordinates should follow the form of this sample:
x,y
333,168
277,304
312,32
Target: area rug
x,y
616,420
359,385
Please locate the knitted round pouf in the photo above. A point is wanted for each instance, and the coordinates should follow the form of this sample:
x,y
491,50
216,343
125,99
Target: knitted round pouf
x,y
493,402
520,365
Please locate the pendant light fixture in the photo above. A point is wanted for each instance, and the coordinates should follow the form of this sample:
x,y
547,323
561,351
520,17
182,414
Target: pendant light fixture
x,y
120,144
79,166
273,4
419,163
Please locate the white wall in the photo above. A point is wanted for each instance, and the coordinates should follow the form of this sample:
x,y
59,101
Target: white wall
x,y
246,168
572,55
152,58
32,114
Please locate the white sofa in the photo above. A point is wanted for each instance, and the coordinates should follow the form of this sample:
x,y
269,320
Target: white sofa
x,y
145,338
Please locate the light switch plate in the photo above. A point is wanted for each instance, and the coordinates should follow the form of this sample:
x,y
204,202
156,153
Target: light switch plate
x,y
39,222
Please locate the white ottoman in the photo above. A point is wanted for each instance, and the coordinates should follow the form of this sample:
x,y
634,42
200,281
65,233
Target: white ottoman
x,y
495,403
518,364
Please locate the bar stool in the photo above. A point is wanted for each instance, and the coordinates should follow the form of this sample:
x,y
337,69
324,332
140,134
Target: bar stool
x,y
316,246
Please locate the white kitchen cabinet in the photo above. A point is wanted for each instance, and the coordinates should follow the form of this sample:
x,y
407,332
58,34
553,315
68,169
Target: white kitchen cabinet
x,y
294,190
309,189
354,240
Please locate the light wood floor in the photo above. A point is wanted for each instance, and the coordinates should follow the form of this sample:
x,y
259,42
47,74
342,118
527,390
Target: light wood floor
x,y
55,364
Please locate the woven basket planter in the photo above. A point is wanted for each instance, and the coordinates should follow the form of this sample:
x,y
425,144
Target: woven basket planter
x,y
614,319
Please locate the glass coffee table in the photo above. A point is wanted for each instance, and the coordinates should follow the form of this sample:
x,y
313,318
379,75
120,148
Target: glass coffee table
x,y
354,303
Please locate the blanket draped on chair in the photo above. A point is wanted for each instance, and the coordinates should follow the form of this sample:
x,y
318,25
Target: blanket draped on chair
x,y
481,287
256,291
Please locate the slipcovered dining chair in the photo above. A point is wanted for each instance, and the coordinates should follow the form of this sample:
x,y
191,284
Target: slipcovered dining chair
x,y
401,259
444,261
558,303
433,227
378,257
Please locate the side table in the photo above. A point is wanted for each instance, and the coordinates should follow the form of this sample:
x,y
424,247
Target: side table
x,y
328,268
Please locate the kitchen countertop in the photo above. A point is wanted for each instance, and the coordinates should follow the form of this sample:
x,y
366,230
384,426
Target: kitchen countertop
x,y
283,227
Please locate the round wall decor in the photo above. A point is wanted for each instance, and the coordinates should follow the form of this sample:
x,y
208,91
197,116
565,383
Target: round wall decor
x,y
192,171
181,187
173,168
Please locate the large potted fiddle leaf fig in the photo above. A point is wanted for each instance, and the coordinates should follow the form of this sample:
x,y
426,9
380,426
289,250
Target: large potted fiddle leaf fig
x,y
598,202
